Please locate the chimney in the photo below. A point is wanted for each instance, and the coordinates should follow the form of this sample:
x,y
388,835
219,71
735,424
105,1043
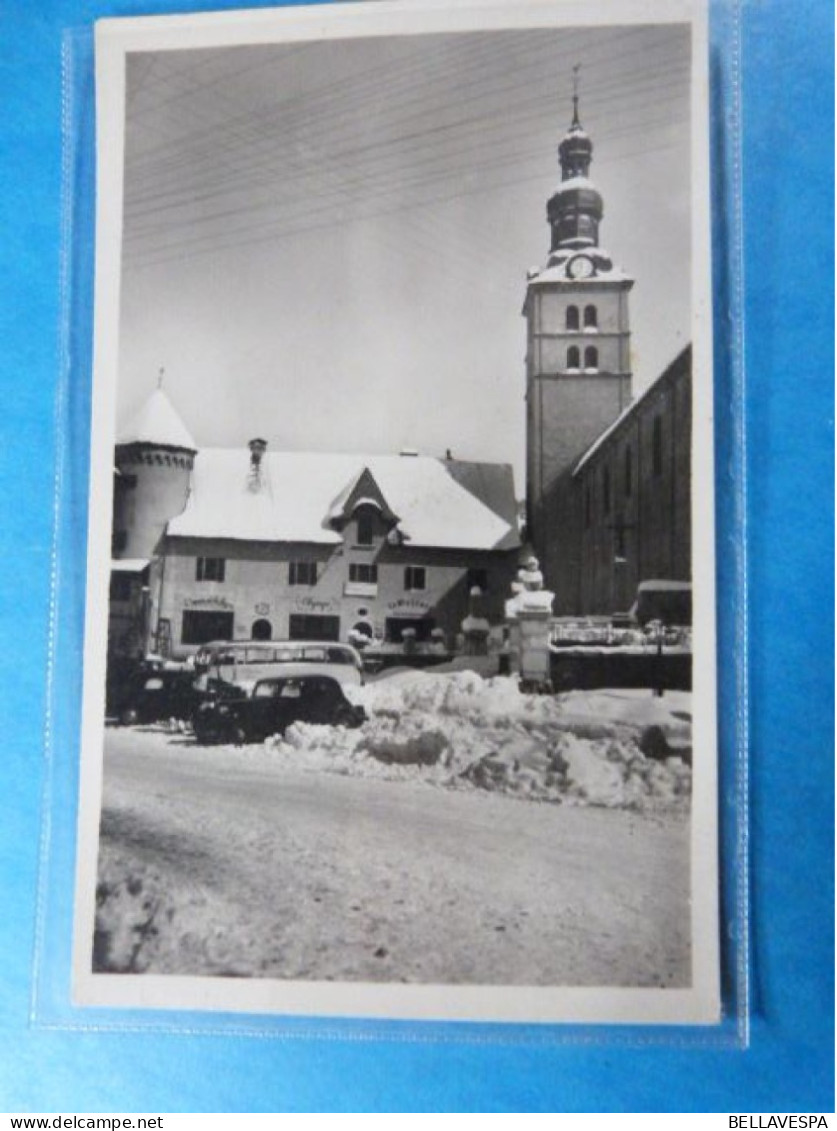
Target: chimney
x,y
257,449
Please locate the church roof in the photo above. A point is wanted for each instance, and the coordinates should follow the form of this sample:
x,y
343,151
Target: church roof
x,y
157,422
439,503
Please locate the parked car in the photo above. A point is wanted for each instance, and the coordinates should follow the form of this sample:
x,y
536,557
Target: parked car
x,y
271,706
662,600
153,695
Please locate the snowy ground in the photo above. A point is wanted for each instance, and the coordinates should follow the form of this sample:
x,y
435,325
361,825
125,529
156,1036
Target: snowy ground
x,y
417,848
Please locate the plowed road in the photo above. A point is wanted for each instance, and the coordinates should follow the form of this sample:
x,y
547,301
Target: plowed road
x,y
221,863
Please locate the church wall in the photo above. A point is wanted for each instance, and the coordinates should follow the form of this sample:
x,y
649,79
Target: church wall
x,y
553,351
606,299
557,545
549,337
568,414
637,525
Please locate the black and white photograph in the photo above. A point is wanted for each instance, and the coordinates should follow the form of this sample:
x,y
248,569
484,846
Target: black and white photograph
x,y
399,677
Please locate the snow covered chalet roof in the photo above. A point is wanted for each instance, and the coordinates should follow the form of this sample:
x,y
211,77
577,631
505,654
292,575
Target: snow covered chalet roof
x,y
447,504
157,422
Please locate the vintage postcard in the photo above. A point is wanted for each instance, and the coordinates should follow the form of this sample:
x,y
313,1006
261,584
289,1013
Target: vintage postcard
x,y
399,684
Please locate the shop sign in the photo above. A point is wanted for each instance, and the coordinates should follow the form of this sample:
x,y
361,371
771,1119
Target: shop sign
x,y
207,603
315,605
409,605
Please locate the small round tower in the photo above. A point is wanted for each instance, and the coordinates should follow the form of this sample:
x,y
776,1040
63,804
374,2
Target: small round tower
x,y
153,465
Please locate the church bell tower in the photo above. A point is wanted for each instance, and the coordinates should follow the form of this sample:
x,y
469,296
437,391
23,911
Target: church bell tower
x,y
578,376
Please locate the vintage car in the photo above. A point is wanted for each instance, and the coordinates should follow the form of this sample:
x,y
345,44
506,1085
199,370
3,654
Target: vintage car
x,y
271,706
153,694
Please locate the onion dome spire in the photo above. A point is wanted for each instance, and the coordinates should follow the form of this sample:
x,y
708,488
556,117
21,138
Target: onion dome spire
x,y
576,149
575,208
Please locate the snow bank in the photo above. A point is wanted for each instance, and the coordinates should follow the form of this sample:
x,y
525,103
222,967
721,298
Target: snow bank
x,y
619,749
145,920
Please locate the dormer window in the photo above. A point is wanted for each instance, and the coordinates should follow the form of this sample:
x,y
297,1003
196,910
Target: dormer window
x,y
365,528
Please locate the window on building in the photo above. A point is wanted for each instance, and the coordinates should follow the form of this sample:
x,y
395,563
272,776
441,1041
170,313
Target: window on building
x,y
591,318
573,357
302,573
619,543
478,579
210,569
261,630
118,541
120,587
629,471
310,626
606,490
572,317
199,626
415,577
367,573
591,358
657,446
366,527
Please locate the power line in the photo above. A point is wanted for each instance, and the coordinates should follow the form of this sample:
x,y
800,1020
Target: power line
x,y
375,173
317,195
362,94
308,162
450,134
266,235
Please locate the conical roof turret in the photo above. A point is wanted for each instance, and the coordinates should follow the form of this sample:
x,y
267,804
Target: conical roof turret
x,y
158,423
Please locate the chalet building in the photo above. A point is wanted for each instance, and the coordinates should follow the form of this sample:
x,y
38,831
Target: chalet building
x,y
251,544
608,480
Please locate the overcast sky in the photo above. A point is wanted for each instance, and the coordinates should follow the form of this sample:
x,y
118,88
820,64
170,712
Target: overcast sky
x,y
326,244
